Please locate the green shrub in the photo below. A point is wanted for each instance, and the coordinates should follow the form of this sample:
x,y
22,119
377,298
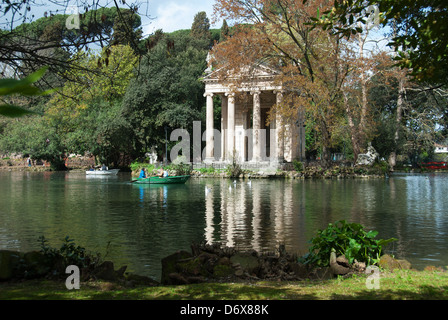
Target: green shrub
x,y
208,170
181,169
68,254
347,239
298,166
234,169
381,167
140,165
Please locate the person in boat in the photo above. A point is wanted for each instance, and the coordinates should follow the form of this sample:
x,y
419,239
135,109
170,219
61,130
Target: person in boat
x,y
142,174
163,173
103,167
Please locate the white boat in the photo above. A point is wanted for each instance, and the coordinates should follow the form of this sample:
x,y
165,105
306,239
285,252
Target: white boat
x,y
111,172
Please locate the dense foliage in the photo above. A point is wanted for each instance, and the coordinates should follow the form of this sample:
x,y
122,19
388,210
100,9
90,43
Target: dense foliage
x,y
167,91
349,239
119,102
123,100
419,35
335,78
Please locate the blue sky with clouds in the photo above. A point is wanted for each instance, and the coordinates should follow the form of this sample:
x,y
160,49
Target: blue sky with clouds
x,y
168,15
171,15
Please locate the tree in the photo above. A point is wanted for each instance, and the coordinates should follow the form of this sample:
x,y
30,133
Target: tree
x,y
29,44
127,29
35,137
200,29
87,113
410,115
420,36
167,91
83,116
279,34
363,65
225,31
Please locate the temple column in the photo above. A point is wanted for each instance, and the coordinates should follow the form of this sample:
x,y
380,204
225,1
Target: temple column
x,y
280,130
230,126
209,157
256,127
223,128
301,134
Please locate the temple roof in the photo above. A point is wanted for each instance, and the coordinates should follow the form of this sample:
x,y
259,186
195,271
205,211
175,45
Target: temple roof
x,y
256,77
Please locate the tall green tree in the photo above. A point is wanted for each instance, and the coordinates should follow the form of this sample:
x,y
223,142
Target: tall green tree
x,y
225,31
83,116
168,91
127,29
88,112
200,29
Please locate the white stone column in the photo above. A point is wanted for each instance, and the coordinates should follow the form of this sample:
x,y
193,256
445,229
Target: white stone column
x,y
224,128
209,148
230,125
256,127
280,130
244,150
302,133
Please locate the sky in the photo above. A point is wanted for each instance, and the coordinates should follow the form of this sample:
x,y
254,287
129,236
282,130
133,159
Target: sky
x,y
168,15
172,15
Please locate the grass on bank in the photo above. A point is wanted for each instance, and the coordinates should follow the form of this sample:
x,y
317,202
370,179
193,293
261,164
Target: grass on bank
x,y
399,285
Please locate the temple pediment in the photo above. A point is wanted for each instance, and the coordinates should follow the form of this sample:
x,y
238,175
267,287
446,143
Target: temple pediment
x,y
256,77
254,71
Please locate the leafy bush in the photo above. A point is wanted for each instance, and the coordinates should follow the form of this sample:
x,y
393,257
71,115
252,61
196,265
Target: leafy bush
x,y
208,170
380,167
139,165
349,239
234,169
181,169
68,254
298,166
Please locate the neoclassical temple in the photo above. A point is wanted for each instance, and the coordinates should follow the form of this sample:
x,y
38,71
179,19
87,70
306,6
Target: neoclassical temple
x,y
250,131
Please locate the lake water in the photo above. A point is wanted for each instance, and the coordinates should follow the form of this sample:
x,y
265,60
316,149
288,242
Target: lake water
x,y
137,225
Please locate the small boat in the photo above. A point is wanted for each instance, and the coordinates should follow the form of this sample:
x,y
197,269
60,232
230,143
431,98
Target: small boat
x,y
112,172
162,180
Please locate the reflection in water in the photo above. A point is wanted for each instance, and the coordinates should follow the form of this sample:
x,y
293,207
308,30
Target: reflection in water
x,y
251,215
209,229
145,223
267,213
256,219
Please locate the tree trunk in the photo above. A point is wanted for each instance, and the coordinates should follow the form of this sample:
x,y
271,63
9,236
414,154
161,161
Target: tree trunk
x,y
401,92
353,132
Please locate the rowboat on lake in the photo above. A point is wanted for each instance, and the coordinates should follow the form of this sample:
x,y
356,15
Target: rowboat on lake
x,y
112,172
162,180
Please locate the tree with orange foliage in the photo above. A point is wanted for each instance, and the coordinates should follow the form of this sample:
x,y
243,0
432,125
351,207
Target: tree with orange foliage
x,y
313,64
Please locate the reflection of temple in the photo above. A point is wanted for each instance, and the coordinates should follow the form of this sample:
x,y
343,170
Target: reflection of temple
x,y
250,218
245,131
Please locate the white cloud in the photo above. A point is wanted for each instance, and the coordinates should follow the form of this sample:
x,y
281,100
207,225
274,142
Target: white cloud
x,y
175,15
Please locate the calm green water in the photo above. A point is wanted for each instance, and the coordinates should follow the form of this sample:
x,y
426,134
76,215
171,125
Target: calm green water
x,y
139,225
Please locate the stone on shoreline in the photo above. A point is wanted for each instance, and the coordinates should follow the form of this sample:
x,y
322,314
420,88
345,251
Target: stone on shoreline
x,y
387,262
